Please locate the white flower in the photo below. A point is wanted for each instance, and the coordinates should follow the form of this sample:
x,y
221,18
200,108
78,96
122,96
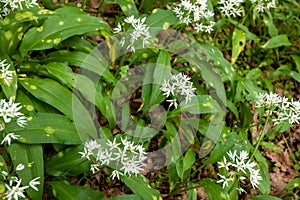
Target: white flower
x,y
263,5
22,121
255,178
91,146
14,192
224,180
197,12
113,144
94,168
178,85
118,29
12,5
8,138
34,182
6,74
231,7
116,174
20,167
86,153
239,167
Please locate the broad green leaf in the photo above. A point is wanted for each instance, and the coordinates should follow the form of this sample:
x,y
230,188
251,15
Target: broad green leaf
x,y
192,193
32,157
200,104
11,38
217,56
46,128
189,159
173,149
238,44
254,74
67,162
265,185
232,108
62,190
277,41
58,28
128,7
93,62
9,86
296,59
227,142
268,20
79,44
265,197
126,197
161,18
3,166
295,183
14,19
249,35
140,186
213,190
51,92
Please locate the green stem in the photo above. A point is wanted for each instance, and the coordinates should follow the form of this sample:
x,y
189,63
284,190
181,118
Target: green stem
x,y
262,135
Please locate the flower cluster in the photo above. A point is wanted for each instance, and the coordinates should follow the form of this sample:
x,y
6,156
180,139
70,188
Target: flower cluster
x,y
238,167
178,86
8,111
12,5
197,13
125,157
139,33
231,8
13,189
6,74
282,108
263,5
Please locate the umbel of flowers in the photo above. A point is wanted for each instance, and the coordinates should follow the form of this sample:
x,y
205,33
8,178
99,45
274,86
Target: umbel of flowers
x,y
13,188
281,109
179,85
125,157
238,167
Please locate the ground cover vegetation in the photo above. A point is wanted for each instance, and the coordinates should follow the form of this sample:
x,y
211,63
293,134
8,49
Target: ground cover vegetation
x,y
125,99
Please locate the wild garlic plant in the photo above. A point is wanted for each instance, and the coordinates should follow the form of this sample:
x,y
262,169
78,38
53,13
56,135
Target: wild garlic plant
x,y
139,32
178,86
197,12
10,6
125,157
11,187
236,168
279,110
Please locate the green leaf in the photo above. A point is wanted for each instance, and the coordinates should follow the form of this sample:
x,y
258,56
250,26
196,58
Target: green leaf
x,y
265,197
16,18
3,166
265,185
67,162
296,59
238,44
254,74
161,19
47,128
189,159
295,183
277,41
192,193
11,38
62,99
94,62
268,20
58,28
63,190
32,157
128,7
140,186
214,191
200,104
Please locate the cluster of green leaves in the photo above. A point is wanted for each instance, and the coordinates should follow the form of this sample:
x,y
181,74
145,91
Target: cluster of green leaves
x,y
45,47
